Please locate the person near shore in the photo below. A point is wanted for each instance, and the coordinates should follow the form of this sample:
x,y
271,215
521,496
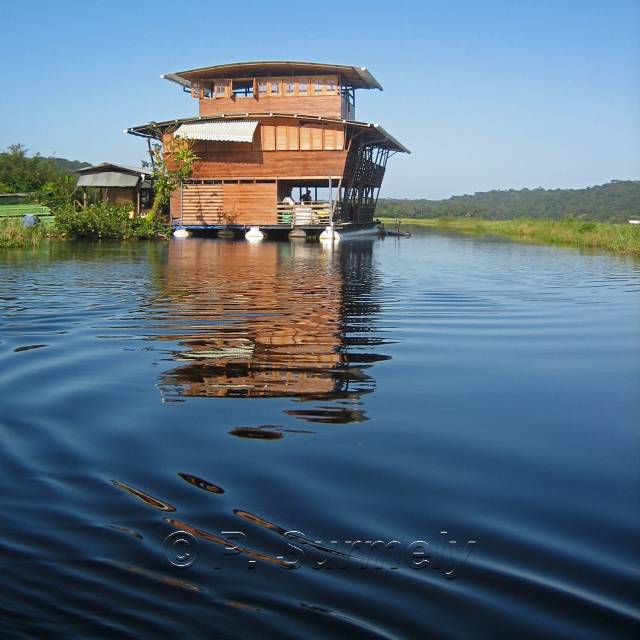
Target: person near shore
x,y
306,197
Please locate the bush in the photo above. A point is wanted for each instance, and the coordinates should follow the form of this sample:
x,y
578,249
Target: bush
x,y
104,220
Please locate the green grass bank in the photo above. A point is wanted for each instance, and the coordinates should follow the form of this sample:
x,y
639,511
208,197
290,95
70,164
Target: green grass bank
x,y
621,238
13,234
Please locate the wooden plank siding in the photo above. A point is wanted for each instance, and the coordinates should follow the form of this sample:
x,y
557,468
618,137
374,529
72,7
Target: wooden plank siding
x,y
201,204
249,203
222,204
328,106
277,165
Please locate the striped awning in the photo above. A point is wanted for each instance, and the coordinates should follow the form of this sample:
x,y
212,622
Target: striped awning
x,y
219,130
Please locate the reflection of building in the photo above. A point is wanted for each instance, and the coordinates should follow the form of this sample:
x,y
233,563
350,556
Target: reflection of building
x,y
263,320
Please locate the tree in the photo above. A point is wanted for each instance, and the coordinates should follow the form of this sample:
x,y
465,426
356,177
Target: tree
x,y
172,164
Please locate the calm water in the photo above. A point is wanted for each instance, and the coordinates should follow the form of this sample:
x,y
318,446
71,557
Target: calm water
x,y
384,391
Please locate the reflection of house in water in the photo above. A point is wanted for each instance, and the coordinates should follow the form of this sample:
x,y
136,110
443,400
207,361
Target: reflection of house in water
x,y
268,320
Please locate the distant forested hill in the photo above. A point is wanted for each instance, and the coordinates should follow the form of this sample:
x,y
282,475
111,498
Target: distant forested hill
x,y
617,200
67,166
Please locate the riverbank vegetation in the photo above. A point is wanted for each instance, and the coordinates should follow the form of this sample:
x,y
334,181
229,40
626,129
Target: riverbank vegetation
x,y
46,188
621,238
14,234
616,201
103,220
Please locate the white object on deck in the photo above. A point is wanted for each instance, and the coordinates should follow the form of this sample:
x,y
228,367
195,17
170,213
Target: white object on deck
x,y
303,216
634,221
254,234
181,233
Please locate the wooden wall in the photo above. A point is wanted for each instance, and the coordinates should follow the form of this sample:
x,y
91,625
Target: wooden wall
x,y
250,203
230,203
329,106
297,153
272,164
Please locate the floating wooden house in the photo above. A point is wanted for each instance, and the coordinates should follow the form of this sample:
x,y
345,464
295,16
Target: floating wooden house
x,y
279,146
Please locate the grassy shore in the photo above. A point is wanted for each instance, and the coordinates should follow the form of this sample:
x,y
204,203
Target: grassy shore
x,y
13,234
622,238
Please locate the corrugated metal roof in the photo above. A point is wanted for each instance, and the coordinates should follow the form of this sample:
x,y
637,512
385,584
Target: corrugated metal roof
x,y
219,130
107,179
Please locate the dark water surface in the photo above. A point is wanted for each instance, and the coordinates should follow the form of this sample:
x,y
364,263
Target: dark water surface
x,y
383,391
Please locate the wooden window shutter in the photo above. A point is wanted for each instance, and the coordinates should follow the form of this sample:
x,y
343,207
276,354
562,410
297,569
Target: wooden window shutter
x,y
281,138
329,138
268,137
305,138
293,142
316,139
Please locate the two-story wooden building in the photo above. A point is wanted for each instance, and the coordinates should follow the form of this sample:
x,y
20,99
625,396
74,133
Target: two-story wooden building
x,y
279,148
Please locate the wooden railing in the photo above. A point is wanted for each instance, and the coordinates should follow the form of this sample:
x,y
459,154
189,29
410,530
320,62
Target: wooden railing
x,y
308,213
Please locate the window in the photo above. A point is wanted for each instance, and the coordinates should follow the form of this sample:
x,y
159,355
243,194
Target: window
x,y
262,87
303,86
242,89
318,86
290,87
274,89
331,86
219,88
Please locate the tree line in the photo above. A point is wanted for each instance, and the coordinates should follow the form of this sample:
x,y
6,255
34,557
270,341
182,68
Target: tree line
x,y
616,201
51,179
21,173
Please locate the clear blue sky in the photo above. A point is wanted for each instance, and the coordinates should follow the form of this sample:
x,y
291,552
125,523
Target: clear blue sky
x,y
487,94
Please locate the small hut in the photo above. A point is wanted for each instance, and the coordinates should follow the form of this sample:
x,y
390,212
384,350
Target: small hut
x,y
118,184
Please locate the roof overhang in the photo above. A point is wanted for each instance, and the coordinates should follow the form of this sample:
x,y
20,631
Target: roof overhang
x,y
356,77
376,134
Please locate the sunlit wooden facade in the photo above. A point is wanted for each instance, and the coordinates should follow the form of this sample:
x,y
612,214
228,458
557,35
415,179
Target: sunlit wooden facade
x,y
271,130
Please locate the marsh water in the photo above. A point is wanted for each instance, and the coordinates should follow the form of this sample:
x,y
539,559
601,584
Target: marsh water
x,y
448,424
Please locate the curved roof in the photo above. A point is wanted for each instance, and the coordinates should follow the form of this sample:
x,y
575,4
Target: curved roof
x,y
357,77
376,134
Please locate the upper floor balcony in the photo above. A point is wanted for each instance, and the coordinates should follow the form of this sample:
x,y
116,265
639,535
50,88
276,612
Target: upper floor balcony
x,y
309,95
304,88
